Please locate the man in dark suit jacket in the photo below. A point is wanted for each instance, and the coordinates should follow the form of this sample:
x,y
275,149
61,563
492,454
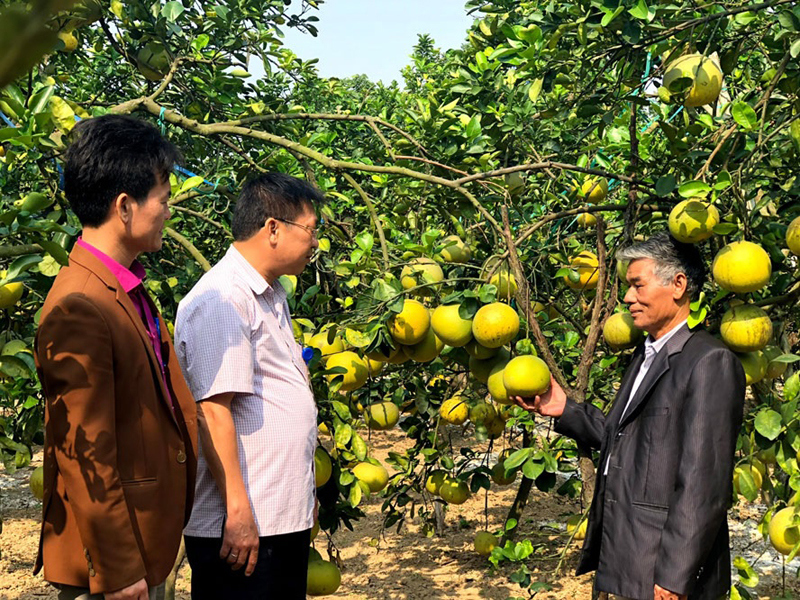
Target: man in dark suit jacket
x,y
120,422
658,521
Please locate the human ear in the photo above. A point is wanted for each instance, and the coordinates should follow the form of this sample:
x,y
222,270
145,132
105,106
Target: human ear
x,y
122,205
680,284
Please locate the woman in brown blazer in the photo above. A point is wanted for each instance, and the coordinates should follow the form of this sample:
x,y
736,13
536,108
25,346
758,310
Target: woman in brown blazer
x,y
120,423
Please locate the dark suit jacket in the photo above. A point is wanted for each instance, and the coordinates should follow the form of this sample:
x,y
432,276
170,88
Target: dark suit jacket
x,y
660,515
119,463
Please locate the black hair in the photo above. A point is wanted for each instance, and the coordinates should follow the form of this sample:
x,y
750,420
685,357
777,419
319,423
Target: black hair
x,y
274,195
671,257
111,155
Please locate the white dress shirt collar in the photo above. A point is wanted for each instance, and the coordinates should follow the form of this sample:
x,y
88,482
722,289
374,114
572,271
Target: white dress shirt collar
x,y
658,344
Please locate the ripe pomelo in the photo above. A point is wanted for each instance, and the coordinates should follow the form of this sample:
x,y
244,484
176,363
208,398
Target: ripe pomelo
x,y
499,474
322,466
495,427
693,221
485,542
478,352
793,236
36,483
382,416
320,342
620,333
426,349
755,366
324,578
450,327
506,284
455,250
421,271
375,476
434,481
705,76
587,220
586,266
495,325
594,190
575,521
374,367
483,411
783,534
746,328
526,376
742,267
454,491
495,383
10,293
410,325
454,410
356,373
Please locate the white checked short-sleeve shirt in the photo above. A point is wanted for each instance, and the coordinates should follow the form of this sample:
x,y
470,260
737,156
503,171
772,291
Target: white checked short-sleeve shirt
x,y
233,333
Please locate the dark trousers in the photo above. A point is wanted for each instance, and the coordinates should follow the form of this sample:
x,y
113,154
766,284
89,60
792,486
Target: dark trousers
x,y
280,572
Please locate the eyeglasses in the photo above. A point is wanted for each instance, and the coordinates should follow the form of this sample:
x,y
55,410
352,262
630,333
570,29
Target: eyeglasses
x,y
312,230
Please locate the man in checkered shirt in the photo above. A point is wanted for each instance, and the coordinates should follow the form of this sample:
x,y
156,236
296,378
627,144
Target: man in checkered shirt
x,y
249,533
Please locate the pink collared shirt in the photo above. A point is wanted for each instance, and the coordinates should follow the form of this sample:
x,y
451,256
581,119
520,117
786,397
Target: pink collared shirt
x,y
131,281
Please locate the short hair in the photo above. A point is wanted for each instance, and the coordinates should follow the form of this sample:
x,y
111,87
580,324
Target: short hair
x,y
274,195
671,257
111,155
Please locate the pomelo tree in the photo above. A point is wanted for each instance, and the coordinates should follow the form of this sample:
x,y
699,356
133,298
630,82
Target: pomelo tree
x,y
507,171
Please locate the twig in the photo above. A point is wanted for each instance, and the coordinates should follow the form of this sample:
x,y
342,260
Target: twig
x,y
373,215
190,248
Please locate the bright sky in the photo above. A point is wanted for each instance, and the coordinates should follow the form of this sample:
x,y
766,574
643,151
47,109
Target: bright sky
x,y
376,37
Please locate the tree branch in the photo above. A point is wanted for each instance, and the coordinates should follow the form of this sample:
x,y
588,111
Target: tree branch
x,y
373,215
190,248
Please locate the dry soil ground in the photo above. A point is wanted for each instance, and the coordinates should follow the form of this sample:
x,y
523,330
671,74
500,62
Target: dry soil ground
x,y
404,566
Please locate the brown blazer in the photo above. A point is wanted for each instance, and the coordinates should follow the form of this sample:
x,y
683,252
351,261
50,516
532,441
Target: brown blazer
x,y
119,463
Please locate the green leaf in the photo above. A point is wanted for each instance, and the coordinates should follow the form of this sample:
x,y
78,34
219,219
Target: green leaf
x,y
14,367
532,468
665,185
744,115
354,498
359,447
723,180
789,21
610,16
63,115
791,387
535,89
190,183
641,11
341,409
517,458
794,49
474,127
768,423
786,358
725,228
172,10
694,188
365,241
56,251
747,576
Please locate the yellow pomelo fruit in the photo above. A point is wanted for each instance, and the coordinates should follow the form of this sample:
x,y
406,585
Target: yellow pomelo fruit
x,y
425,350
526,376
485,542
421,271
69,40
587,220
320,342
693,221
478,352
450,327
706,78
454,410
495,325
382,416
505,283
755,366
434,481
10,293
793,236
374,367
746,328
742,267
495,383
322,466
357,371
622,271
594,191
483,411
410,325
375,476
36,483
455,250
782,533
480,369
586,265
499,474
575,521
515,182
620,333
774,369
324,578
454,491
758,477
394,357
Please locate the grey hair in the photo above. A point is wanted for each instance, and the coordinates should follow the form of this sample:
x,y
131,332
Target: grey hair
x,y
671,257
